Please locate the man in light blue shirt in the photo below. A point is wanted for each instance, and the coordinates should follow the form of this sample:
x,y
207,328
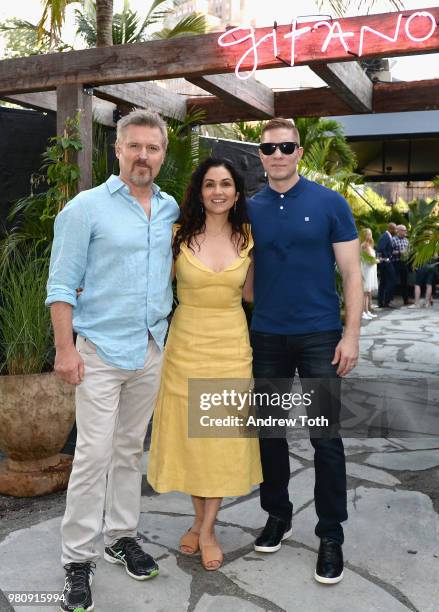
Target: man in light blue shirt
x,y
113,241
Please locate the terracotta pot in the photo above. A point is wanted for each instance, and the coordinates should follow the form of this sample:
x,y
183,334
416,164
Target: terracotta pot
x,y
37,412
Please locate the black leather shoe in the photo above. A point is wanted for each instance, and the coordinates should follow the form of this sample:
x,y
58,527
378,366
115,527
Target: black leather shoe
x,y
274,532
329,569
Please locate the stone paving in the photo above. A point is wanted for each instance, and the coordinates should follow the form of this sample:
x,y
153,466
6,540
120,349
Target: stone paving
x,y
392,535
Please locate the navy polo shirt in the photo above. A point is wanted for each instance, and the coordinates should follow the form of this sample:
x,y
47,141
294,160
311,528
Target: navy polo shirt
x,y
293,232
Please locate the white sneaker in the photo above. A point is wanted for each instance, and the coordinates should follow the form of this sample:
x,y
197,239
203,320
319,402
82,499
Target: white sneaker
x,y
414,305
371,315
365,316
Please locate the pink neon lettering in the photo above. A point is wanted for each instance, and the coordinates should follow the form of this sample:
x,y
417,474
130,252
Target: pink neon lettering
x,y
365,29
331,34
253,49
295,33
420,14
335,32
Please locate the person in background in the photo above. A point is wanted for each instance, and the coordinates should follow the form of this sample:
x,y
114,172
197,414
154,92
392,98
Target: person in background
x,y
424,276
369,273
387,277
401,247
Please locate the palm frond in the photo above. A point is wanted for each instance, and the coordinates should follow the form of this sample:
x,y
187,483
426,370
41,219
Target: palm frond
x,y
54,11
13,24
424,240
248,131
23,38
158,11
125,26
86,27
182,156
341,7
191,25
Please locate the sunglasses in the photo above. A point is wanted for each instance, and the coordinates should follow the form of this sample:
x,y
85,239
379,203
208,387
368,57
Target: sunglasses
x,y
287,148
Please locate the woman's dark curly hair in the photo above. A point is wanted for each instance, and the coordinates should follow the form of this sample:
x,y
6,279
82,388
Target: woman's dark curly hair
x,y
192,219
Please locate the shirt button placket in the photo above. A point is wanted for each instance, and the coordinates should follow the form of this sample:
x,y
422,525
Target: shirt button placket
x,y
281,207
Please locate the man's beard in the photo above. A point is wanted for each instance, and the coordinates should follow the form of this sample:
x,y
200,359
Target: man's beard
x,y
140,180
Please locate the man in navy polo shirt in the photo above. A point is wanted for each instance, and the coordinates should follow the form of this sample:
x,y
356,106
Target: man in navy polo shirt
x,y
301,230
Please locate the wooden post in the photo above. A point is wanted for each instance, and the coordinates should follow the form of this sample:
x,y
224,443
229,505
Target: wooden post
x,y
70,99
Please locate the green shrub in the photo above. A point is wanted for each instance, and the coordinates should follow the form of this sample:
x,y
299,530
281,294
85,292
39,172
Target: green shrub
x,y
25,330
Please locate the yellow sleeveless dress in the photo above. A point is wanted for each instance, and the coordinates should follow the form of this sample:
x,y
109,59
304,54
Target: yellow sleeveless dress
x,y
208,338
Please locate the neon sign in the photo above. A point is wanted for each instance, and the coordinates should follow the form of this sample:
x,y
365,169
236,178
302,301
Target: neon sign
x,y
335,33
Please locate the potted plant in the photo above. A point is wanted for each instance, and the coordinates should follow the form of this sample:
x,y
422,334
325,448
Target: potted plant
x,y
36,408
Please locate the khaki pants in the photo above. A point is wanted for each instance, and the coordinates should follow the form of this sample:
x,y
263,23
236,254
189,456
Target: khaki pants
x,y
113,409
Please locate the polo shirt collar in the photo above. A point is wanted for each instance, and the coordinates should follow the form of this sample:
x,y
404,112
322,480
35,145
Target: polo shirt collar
x,y
293,191
115,183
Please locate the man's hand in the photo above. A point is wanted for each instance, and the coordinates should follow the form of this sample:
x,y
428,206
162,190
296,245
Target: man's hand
x,y
346,355
69,365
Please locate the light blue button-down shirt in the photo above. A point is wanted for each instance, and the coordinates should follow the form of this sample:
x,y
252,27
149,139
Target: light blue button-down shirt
x,y
105,243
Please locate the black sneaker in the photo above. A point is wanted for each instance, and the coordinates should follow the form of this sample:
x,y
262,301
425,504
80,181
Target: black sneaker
x,y
274,532
138,564
77,592
329,569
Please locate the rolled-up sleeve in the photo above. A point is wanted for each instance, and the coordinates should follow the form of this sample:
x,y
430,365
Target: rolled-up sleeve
x,y
72,233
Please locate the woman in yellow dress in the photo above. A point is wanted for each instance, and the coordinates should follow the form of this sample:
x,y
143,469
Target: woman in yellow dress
x,y
208,338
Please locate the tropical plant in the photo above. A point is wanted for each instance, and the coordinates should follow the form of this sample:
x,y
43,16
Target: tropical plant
x,y
32,217
425,241
317,130
26,338
341,7
54,12
128,27
182,156
248,131
424,235
191,24
23,38
101,158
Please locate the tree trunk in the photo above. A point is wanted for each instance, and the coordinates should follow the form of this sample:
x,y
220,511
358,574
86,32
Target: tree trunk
x,y
104,22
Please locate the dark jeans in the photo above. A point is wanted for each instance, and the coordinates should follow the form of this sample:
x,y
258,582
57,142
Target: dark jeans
x,y
401,271
387,281
278,356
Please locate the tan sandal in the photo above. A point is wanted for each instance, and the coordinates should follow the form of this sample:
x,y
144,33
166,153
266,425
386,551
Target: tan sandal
x,y
211,553
190,540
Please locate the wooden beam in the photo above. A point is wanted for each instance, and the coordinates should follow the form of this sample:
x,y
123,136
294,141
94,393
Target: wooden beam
x,y
314,102
103,112
405,33
145,95
250,94
349,82
323,102
38,100
71,99
217,112
46,101
406,96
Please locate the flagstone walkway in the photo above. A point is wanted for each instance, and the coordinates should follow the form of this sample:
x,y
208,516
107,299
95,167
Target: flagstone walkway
x,y
391,538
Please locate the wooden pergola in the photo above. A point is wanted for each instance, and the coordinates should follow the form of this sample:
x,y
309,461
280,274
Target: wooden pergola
x,y
100,79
